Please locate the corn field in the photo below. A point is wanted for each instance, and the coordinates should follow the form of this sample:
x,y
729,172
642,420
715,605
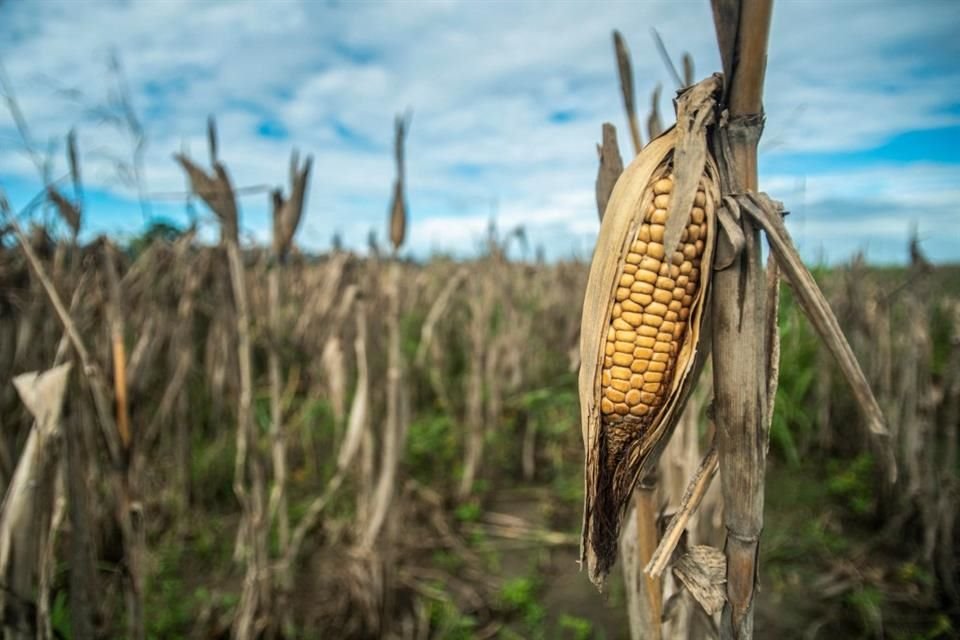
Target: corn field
x,y
489,350
220,439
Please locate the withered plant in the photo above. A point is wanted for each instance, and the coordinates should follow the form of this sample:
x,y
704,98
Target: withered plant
x,y
678,259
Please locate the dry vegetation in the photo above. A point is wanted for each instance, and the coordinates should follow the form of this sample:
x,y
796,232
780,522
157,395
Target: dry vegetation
x,y
474,370
240,441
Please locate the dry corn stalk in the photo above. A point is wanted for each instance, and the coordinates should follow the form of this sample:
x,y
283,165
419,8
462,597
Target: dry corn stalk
x,y
643,316
611,166
398,204
625,73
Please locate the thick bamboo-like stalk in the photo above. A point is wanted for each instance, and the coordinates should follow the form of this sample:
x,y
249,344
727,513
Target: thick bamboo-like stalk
x,y
740,353
645,498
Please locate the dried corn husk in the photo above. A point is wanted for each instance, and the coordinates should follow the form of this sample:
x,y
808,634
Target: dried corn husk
x,y
682,153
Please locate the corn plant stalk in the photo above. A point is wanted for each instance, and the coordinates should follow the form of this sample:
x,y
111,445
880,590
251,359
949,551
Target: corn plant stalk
x,y
181,352
816,308
287,214
947,507
739,342
437,310
638,542
625,73
83,577
248,481
398,204
688,505
654,121
129,526
611,166
394,428
115,320
480,304
27,514
357,425
137,543
249,468
68,493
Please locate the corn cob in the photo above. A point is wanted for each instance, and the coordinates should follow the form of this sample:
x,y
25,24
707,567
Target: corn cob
x,y
648,323
641,330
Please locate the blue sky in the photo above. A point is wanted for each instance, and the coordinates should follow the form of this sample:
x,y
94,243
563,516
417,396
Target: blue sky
x,y
862,101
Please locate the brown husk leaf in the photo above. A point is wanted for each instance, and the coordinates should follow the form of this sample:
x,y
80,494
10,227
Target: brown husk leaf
x,y
607,492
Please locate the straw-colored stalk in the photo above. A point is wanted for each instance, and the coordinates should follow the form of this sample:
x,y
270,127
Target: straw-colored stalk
x,y
625,73
217,192
611,166
117,347
130,526
136,552
27,513
398,204
357,428
480,304
287,213
740,358
394,432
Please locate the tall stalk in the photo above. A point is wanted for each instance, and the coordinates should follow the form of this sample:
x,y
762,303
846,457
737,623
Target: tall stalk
x,y
287,214
249,477
740,346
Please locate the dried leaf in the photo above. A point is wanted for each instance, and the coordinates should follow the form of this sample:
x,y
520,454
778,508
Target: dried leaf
x,y
212,139
74,163
398,205
287,213
731,241
667,61
695,111
625,73
703,571
398,217
42,393
67,210
216,191
611,166
654,123
815,306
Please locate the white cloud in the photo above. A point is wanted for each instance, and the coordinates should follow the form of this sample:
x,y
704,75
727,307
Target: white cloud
x,y
483,79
